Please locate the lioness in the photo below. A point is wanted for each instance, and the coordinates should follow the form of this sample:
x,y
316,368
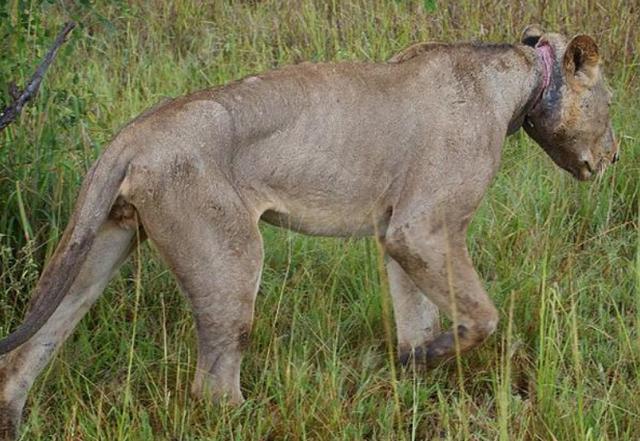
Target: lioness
x,y
403,150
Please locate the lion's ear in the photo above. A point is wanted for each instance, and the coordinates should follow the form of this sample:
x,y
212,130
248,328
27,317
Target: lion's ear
x,y
582,61
531,35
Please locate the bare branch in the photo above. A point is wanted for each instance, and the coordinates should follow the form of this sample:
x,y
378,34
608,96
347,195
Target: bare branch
x,y
12,111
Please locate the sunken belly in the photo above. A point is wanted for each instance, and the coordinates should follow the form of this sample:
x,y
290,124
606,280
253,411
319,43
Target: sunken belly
x,y
337,222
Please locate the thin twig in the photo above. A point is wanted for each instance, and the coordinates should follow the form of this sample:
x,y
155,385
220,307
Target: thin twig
x,y
12,111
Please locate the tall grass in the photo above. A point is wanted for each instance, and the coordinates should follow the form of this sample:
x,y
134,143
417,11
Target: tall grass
x,y
561,259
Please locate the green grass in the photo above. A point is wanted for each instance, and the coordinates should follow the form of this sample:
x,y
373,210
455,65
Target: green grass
x,y
561,259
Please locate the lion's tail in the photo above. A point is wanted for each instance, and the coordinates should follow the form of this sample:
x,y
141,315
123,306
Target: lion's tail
x,y
97,195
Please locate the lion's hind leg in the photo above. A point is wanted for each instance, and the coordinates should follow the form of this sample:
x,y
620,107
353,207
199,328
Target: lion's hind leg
x,y
219,271
211,242
19,368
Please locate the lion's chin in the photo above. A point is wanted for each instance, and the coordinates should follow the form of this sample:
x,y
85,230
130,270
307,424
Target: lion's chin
x,y
584,173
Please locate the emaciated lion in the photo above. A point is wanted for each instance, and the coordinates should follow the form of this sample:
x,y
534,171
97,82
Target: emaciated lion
x,y
403,150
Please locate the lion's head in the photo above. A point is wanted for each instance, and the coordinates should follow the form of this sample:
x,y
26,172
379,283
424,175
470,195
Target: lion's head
x,y
571,118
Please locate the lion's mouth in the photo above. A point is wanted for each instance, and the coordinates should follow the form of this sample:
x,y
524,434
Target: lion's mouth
x,y
586,171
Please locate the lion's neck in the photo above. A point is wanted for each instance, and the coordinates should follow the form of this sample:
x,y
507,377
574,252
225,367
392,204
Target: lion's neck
x,y
530,81
506,78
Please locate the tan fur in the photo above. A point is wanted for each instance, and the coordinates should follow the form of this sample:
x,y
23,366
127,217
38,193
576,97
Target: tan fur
x,y
404,150
415,50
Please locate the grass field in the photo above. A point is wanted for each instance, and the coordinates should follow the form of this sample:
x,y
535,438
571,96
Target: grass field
x,y
561,259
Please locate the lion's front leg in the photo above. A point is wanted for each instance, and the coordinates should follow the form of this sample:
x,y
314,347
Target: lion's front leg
x,y
436,259
416,317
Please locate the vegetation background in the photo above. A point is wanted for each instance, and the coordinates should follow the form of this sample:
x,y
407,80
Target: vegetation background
x,y
560,258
